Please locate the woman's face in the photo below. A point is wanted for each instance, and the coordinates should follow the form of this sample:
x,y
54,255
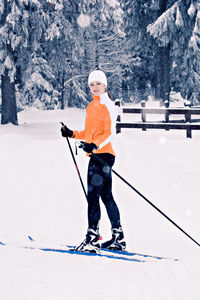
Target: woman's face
x,y
97,88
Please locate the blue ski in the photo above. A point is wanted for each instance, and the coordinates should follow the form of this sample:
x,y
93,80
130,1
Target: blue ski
x,y
70,250
122,253
128,253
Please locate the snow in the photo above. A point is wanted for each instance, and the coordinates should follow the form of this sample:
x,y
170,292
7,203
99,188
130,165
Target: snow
x,y
8,63
1,7
179,20
37,78
52,32
191,10
2,54
41,195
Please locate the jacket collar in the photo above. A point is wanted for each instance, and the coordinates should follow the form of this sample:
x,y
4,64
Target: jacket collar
x,y
96,98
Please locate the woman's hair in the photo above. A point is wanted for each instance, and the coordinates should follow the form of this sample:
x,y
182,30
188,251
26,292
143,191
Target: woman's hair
x,y
109,95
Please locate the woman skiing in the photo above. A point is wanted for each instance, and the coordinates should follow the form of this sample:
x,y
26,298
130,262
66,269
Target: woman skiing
x,y
100,123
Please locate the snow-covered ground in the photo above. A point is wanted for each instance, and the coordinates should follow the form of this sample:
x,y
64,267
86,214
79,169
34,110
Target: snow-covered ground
x,y
40,195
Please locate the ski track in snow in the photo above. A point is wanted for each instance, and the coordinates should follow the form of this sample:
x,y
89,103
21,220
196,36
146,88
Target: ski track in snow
x,y
41,195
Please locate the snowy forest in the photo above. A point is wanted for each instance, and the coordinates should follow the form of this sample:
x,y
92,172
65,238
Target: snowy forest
x,y
48,48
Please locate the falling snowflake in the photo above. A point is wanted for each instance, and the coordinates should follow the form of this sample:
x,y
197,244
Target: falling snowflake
x,y
97,180
106,169
83,20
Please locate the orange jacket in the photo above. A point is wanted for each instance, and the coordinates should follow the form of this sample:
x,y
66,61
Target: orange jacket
x,y
100,121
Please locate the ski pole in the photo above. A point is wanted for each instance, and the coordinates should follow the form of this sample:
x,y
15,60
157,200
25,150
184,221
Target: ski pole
x,y
141,195
75,163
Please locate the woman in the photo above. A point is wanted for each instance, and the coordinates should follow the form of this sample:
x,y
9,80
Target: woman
x,y
100,123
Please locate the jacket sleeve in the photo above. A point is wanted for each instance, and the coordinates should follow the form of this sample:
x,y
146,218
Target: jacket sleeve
x,y
79,135
101,140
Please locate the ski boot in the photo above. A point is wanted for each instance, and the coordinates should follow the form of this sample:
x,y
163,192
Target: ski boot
x,y
91,243
117,242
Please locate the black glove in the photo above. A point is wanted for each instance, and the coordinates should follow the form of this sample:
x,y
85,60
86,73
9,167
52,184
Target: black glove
x,y
88,147
66,132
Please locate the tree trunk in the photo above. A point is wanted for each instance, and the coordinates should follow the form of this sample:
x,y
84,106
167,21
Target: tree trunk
x,y
9,107
164,80
163,66
62,87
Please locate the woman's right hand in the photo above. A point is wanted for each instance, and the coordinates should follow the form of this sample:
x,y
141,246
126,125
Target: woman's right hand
x,y
66,132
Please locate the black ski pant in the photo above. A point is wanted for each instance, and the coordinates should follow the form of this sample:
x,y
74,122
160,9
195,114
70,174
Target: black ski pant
x,y
100,186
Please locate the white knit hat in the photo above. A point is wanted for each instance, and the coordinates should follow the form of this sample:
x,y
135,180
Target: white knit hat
x,y
97,75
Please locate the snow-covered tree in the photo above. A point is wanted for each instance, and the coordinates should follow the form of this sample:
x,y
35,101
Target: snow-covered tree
x,y
38,89
102,42
177,29
62,51
19,30
138,70
39,79
24,29
191,76
9,42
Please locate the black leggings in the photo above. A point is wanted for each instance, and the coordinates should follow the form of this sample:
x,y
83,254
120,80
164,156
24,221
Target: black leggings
x,y
100,185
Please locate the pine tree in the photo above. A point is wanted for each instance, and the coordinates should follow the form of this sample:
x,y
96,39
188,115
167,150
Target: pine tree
x,y
9,41
62,47
191,76
22,22
176,28
39,82
102,42
23,55
138,70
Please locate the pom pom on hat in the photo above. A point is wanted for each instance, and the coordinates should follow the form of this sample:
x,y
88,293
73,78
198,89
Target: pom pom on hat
x,y
97,75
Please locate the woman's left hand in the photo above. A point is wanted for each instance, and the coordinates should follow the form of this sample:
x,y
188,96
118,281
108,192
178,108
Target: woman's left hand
x,y
88,147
